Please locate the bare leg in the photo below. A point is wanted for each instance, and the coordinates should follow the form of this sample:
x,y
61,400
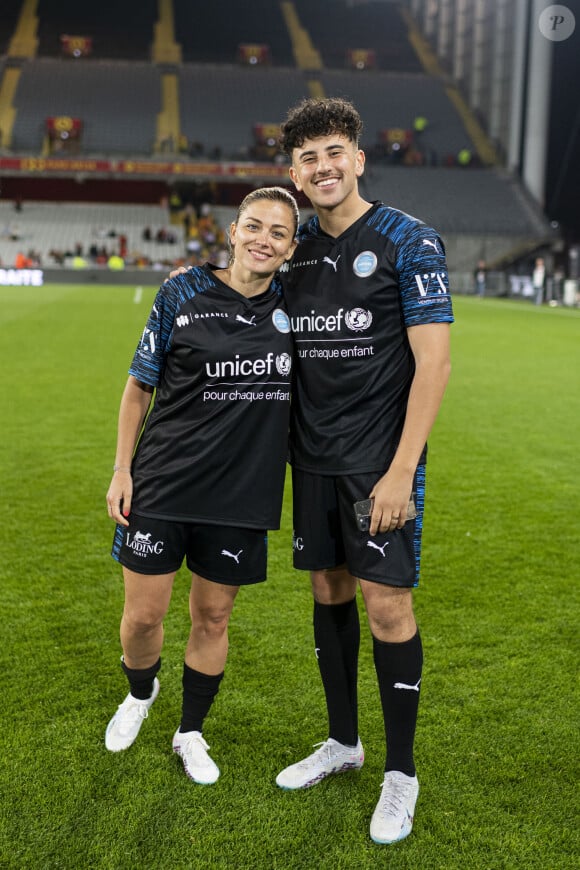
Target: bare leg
x,y
147,599
390,611
210,606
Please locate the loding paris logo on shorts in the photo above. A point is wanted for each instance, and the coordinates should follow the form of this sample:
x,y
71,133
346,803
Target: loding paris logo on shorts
x,y
283,363
358,319
142,545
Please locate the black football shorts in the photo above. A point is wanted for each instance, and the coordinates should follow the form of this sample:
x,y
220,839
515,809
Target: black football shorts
x,y
326,534
224,554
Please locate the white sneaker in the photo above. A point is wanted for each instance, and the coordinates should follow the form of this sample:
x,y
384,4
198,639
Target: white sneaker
x,y
124,727
193,750
393,817
331,757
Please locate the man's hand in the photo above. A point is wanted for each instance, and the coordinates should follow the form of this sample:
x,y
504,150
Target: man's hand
x,y
391,494
179,271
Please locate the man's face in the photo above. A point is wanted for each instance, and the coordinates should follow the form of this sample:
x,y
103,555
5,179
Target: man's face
x,y
327,170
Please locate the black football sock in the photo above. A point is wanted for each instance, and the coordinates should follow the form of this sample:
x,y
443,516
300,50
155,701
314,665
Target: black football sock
x,y
141,679
399,667
337,640
199,690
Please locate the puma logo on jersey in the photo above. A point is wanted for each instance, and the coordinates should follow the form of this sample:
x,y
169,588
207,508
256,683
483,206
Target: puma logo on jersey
x,y
249,322
431,244
234,556
414,688
332,262
376,547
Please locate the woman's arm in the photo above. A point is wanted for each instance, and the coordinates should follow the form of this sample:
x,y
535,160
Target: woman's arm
x,y
132,412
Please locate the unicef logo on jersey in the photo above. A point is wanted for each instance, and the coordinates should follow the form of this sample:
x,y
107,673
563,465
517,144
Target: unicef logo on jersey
x,y
283,364
281,320
365,264
358,319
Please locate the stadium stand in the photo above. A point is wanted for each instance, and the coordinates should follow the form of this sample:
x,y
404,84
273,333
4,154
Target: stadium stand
x,y
117,101
379,27
8,19
123,31
164,82
484,201
394,99
210,33
220,104
46,228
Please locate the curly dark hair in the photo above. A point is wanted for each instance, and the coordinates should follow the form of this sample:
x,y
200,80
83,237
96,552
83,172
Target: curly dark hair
x,y
313,118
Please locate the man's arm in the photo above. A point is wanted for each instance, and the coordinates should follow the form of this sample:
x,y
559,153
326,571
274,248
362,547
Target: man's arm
x,y
430,346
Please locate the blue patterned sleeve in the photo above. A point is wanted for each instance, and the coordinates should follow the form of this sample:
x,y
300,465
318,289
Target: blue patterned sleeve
x,y
423,277
149,359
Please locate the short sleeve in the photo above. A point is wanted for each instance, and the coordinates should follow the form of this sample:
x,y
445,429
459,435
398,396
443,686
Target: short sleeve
x,y
149,359
423,277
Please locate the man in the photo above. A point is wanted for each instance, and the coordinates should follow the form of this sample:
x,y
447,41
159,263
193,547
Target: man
x,y
370,310
480,276
539,280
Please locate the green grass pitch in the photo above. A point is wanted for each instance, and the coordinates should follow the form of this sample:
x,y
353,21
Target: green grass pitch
x,y
497,740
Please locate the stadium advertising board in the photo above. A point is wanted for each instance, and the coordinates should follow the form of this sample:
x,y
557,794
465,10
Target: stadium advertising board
x,y
21,277
146,168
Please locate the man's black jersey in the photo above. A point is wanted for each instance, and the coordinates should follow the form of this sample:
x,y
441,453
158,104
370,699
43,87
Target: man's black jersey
x,y
351,300
214,447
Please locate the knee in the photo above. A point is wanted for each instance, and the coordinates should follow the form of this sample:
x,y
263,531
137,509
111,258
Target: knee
x,y
388,623
393,620
336,586
211,621
142,621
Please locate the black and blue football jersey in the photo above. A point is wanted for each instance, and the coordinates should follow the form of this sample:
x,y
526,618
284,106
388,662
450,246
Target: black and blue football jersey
x,y
351,300
214,446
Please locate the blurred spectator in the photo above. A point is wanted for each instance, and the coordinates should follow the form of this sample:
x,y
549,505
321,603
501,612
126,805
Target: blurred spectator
x,y
464,157
420,124
115,263
480,276
195,149
539,280
22,262
175,203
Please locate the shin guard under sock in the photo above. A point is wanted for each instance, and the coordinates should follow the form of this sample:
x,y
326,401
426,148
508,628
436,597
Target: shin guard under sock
x,y
337,640
399,667
199,691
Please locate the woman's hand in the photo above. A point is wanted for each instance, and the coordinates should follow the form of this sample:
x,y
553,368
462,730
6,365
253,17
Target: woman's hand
x,y
119,497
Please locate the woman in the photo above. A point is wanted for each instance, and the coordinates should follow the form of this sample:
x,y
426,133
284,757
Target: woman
x,y
203,478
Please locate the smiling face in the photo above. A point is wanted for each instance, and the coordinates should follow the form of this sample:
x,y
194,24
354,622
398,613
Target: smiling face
x,y
327,169
263,237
